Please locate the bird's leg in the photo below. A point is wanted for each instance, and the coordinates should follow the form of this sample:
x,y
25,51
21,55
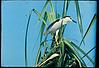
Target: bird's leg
x,y
56,37
56,40
53,40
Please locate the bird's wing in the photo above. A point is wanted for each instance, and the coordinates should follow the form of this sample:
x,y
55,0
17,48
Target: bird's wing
x,y
47,30
52,24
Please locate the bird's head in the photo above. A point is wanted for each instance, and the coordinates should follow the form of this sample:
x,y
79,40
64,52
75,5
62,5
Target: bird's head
x,y
67,19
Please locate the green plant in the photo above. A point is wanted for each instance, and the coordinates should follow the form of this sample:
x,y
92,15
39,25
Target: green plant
x,y
63,54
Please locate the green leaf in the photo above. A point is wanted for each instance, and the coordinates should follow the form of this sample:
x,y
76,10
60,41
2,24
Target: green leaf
x,y
89,27
43,26
69,46
56,13
39,50
44,8
39,16
50,53
50,19
59,63
77,47
73,50
51,14
48,64
79,18
44,20
52,11
77,60
38,55
65,9
41,35
62,49
89,51
67,5
26,63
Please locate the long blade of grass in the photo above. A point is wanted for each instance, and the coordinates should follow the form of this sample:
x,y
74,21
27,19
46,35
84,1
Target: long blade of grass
x,y
52,10
35,43
77,47
89,27
72,50
53,50
39,16
94,61
51,14
79,55
43,26
65,9
26,62
89,51
63,53
48,64
56,12
44,8
38,55
67,5
41,35
77,60
59,64
79,19
75,51
49,17
56,9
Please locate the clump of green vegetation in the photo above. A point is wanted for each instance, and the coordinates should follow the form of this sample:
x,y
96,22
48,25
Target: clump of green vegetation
x,y
62,53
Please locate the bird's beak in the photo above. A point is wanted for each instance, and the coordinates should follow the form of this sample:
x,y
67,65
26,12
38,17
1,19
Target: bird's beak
x,y
74,21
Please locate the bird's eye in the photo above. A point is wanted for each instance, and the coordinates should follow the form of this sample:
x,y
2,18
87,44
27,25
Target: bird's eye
x,y
70,18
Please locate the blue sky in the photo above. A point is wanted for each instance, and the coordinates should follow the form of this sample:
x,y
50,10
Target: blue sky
x,y
14,19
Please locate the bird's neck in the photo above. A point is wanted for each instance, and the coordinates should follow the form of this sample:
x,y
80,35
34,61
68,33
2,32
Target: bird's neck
x,y
63,22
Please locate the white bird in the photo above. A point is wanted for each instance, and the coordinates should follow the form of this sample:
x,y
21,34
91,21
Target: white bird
x,y
53,27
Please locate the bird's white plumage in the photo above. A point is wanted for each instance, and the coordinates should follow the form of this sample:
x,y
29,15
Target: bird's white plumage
x,y
58,24
55,26
66,20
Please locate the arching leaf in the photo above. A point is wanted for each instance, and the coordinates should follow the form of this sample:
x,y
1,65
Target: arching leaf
x,y
79,19
88,29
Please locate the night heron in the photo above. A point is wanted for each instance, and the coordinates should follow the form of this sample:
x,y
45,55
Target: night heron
x,y
53,27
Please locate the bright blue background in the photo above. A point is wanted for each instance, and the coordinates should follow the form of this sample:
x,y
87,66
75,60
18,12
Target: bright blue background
x,y
14,20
